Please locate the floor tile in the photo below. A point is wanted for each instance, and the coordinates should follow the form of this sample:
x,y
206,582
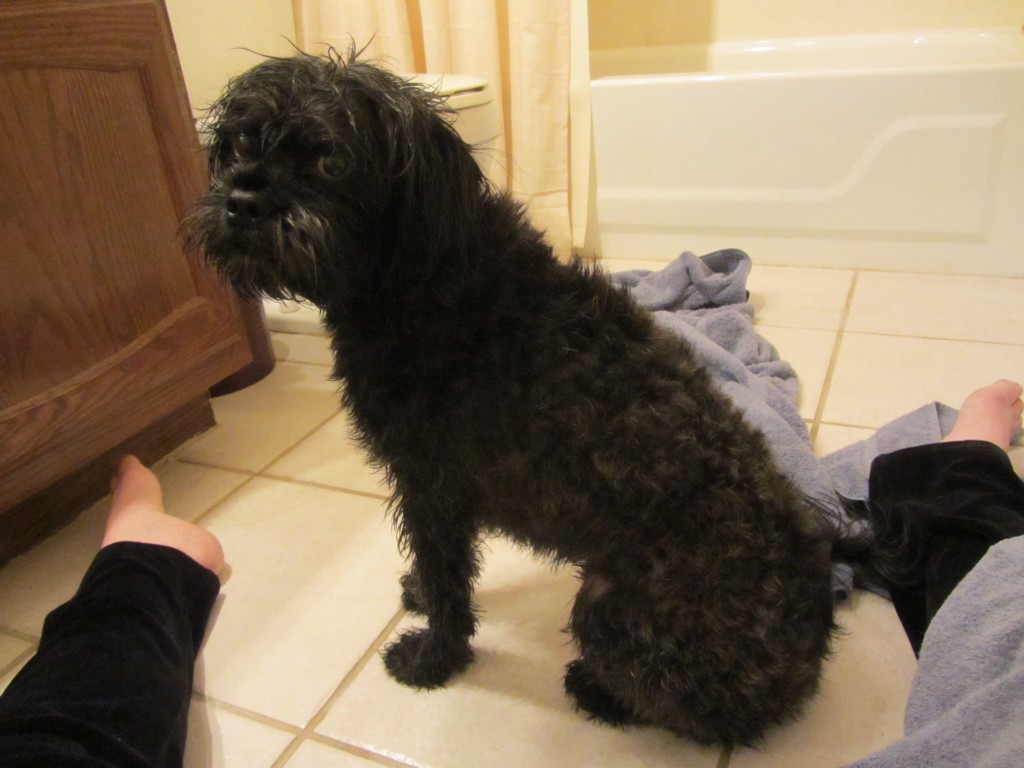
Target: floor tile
x,y
831,438
330,457
939,306
219,738
799,298
809,352
30,584
302,348
259,423
315,755
509,707
313,582
878,378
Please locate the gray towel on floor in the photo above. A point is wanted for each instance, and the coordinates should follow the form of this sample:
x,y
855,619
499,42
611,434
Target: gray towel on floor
x,y
705,301
967,701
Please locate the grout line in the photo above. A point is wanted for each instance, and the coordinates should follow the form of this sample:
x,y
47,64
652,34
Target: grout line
x,y
211,465
282,479
346,681
326,487
851,426
18,634
264,720
289,751
891,335
830,371
298,442
249,714
309,731
199,519
791,326
366,754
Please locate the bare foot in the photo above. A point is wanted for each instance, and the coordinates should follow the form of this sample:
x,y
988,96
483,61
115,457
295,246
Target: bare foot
x,y
137,514
992,413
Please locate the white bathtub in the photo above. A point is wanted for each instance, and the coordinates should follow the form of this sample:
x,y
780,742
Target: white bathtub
x,y
899,151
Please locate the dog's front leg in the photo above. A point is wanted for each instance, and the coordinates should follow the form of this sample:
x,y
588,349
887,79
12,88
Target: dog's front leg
x,y
444,565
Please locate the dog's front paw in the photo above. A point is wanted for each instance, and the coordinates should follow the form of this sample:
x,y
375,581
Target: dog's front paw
x,y
592,697
421,660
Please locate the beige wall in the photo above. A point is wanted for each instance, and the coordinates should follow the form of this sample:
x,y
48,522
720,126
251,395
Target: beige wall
x,y
626,23
210,34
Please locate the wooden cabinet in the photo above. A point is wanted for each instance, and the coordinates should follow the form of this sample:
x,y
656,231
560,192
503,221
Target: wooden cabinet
x,y
106,328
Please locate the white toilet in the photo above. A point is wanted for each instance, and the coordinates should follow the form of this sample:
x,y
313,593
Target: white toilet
x,y
476,121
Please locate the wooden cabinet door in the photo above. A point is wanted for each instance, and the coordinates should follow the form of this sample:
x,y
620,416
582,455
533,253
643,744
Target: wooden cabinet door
x,y
105,326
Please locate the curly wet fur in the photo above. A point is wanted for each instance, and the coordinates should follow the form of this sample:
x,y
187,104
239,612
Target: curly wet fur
x,y
504,391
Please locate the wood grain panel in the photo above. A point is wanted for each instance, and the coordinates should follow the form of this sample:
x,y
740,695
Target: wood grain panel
x,y
77,156
105,326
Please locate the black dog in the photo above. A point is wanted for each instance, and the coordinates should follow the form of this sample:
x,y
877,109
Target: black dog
x,y
505,391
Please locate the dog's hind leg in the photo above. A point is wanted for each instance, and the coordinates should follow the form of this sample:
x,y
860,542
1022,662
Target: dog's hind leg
x,y
592,697
439,586
411,599
595,630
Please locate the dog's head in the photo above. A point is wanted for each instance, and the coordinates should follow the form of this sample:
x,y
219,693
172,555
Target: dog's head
x,y
326,171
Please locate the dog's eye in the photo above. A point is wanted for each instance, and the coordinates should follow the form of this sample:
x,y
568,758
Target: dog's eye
x,y
330,166
245,144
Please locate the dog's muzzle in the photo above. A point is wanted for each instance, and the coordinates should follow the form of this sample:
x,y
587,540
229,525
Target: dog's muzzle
x,y
245,207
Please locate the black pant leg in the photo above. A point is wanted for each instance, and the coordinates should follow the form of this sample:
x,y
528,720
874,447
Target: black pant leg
x,y
111,682
951,502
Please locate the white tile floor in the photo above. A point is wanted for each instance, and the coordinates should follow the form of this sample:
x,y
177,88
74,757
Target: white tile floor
x,y
290,674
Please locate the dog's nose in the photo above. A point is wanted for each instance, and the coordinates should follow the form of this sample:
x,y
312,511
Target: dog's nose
x,y
245,206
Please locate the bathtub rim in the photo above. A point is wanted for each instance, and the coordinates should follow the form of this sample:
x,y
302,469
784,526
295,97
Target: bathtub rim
x,y
717,57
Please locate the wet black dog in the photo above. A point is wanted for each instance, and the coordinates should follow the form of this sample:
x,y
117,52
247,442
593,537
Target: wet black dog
x,y
505,391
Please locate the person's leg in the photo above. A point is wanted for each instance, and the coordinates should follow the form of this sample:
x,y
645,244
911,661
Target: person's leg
x,y
952,501
111,682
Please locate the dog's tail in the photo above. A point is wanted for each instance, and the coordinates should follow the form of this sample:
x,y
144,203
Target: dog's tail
x,y
877,542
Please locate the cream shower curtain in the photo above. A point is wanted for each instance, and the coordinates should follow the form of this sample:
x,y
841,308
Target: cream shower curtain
x,y
522,48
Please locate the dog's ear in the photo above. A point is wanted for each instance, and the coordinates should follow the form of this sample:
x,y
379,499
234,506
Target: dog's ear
x,y
218,149
444,187
434,186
